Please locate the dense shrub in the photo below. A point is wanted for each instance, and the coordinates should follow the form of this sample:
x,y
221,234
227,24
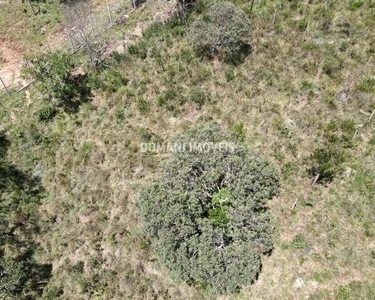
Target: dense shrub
x,y
328,159
207,212
327,163
222,31
109,80
58,77
12,277
171,99
45,114
139,49
199,96
332,66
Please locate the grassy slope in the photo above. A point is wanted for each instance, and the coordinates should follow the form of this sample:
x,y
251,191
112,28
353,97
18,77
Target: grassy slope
x,y
92,169
16,17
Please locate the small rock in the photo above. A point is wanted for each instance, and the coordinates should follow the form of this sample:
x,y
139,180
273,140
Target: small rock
x,y
343,96
138,170
318,42
314,284
121,20
299,283
120,49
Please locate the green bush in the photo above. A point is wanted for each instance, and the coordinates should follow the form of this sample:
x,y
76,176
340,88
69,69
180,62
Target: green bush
x,y
199,96
299,242
139,49
328,160
154,29
109,80
45,114
206,214
222,31
302,25
59,77
344,293
171,99
13,276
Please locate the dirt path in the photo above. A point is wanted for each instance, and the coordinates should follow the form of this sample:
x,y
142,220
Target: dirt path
x,y
11,61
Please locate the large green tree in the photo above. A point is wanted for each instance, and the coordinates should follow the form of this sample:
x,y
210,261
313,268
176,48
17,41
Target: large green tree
x,y
207,211
59,78
223,30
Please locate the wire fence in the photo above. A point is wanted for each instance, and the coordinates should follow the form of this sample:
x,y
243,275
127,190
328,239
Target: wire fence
x,y
83,28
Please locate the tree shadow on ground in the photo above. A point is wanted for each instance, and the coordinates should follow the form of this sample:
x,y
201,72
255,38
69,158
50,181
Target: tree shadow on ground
x,y
20,196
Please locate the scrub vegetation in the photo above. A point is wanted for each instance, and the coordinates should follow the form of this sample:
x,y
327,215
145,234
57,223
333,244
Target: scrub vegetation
x,y
85,214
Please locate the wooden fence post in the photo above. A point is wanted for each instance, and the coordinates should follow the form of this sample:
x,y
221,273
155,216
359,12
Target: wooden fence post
x,y
32,7
109,13
252,5
5,87
274,17
70,40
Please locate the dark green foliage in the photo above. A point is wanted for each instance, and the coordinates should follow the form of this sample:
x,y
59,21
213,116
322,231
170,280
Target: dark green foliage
x,y
109,80
371,49
139,49
199,96
229,74
222,31
13,276
45,114
4,143
58,77
207,214
184,6
302,25
327,160
171,99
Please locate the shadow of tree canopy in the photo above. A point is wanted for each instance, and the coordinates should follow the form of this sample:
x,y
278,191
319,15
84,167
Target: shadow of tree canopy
x,y
21,276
